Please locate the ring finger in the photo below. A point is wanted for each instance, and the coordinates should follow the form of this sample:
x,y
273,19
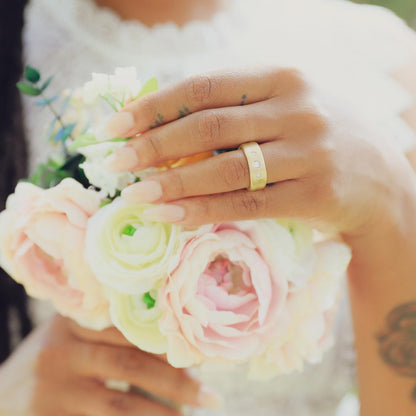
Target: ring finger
x,y
223,173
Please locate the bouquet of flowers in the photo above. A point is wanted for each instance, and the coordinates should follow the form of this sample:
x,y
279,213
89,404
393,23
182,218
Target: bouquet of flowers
x,y
262,292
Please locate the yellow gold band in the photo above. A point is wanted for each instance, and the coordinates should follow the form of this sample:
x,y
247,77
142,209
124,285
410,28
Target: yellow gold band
x,y
256,166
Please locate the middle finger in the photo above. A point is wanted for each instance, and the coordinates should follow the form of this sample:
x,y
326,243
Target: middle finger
x,y
204,131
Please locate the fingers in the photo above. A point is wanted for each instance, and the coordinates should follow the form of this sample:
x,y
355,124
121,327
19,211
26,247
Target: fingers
x,y
110,336
142,370
200,132
288,199
89,398
215,90
223,173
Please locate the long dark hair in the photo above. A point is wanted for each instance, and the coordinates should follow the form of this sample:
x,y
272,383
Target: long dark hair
x,y
13,157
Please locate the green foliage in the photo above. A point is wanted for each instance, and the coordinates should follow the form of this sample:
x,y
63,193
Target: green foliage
x,y
52,172
149,86
32,74
44,102
64,133
46,83
28,89
88,139
406,9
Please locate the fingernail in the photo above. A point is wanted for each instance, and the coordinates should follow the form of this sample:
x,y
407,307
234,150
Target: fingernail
x,y
210,399
164,213
142,192
123,160
118,125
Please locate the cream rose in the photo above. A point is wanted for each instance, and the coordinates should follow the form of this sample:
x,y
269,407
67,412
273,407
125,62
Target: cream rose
x,y
42,239
127,253
137,317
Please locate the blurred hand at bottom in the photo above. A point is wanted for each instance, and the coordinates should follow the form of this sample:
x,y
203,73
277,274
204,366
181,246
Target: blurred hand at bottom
x,y
63,369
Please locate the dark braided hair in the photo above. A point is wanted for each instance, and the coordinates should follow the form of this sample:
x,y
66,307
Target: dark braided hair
x,y
13,155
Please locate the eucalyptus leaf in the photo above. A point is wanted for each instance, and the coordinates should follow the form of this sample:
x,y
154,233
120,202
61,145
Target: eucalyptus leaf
x,y
32,74
149,86
64,133
46,83
65,104
46,101
29,89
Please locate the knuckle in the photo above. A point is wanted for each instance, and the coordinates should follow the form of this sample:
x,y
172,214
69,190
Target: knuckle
x,y
118,402
288,81
209,126
176,184
146,107
198,89
249,204
151,150
234,172
314,122
127,360
323,155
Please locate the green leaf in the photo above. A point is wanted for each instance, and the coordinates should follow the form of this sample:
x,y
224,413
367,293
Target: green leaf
x,y
29,89
45,101
84,140
148,300
64,133
129,230
150,86
105,202
88,139
32,74
47,176
46,83
73,162
65,104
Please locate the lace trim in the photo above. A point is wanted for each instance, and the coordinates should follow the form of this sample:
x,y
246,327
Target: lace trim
x,y
104,30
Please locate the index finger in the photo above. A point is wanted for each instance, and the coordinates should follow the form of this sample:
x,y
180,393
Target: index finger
x,y
214,90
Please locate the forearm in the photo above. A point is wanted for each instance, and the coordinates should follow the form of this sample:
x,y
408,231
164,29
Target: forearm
x,y
382,277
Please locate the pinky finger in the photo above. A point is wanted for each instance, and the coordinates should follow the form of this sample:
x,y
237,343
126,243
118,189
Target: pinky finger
x,y
288,199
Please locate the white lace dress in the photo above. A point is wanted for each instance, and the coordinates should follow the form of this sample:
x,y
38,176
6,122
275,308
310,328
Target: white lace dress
x,y
350,49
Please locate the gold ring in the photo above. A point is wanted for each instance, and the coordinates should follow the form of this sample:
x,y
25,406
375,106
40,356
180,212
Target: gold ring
x,y
256,166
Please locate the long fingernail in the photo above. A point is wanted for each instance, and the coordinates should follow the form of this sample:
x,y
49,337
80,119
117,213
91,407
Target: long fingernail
x,y
164,213
210,399
122,160
118,125
142,192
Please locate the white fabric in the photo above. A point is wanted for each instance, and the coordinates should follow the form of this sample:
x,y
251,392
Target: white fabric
x,y
349,48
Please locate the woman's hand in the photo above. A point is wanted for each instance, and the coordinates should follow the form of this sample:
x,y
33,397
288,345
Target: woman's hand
x,y
324,164
70,366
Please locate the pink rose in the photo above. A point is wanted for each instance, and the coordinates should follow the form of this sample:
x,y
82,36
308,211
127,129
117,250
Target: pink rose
x,y
305,330
223,299
42,239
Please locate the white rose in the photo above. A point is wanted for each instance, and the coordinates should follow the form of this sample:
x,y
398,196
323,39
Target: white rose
x,y
126,252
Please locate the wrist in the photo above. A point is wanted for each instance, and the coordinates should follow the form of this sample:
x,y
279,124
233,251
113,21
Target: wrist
x,y
390,233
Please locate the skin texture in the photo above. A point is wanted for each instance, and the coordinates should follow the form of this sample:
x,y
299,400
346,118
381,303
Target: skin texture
x,y
74,363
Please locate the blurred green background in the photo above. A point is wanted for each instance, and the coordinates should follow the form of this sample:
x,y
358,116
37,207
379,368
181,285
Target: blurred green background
x,y
404,8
